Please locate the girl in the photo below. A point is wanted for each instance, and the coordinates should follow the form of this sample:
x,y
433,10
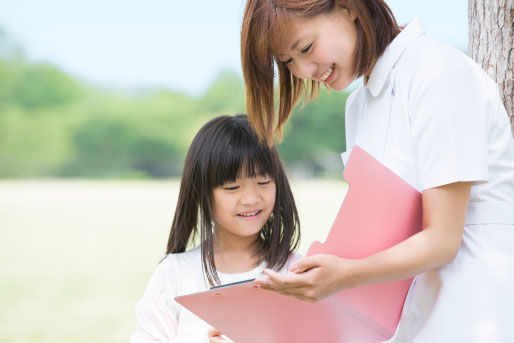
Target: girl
x,y
235,197
432,116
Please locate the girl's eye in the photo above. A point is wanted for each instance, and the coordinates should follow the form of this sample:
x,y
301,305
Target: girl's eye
x,y
306,49
231,188
288,61
264,183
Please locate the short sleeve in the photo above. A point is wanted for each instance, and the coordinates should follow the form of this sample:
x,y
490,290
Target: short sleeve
x,y
448,109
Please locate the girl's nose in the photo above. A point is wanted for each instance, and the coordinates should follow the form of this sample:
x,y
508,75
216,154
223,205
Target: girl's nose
x,y
250,196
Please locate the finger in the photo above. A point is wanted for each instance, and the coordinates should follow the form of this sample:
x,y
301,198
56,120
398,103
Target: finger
x,y
284,283
282,280
212,332
306,263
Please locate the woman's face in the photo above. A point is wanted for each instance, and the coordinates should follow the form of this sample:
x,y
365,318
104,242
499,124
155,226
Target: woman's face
x,y
322,48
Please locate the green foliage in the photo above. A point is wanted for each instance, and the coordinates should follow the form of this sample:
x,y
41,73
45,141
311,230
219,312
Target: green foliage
x,y
51,125
225,95
42,85
315,135
32,145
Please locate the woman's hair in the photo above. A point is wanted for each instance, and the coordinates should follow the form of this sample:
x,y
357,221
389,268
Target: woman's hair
x,y
266,26
221,151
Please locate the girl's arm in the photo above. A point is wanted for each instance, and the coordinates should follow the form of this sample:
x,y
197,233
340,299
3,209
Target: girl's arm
x,y
444,213
156,322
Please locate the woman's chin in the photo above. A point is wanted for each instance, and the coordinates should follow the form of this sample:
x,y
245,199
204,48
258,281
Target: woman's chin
x,y
339,85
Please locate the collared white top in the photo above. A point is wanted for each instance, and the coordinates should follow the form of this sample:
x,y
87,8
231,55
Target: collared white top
x,y
434,117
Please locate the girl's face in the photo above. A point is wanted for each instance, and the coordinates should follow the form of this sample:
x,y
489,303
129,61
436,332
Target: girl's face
x,y
241,208
322,48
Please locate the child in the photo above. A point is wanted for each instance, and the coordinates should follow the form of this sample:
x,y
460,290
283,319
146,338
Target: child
x,y
235,197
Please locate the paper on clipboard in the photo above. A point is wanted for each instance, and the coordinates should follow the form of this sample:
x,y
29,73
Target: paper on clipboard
x,y
379,211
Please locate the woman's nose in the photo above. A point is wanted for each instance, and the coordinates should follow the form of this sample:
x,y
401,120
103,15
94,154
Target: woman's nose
x,y
303,69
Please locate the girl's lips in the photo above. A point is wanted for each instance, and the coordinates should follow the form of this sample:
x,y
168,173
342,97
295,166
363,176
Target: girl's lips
x,y
249,215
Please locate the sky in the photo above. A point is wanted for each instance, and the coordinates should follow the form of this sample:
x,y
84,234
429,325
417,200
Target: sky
x,y
176,44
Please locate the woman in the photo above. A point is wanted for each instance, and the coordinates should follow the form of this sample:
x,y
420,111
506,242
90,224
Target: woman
x,y
432,116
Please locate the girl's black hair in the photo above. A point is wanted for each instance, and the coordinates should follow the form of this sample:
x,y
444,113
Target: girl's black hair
x,y
224,148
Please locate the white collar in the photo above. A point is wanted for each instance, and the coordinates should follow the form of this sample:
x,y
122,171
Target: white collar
x,y
392,53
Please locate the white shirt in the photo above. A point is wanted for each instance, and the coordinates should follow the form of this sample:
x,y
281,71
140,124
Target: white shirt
x,y
434,117
160,318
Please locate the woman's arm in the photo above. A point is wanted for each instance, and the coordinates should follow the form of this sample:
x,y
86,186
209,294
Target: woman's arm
x,y
318,276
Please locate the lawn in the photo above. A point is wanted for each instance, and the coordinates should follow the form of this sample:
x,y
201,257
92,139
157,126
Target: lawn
x,y
76,255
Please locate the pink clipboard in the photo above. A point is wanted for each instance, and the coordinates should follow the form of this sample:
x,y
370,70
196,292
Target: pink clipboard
x,y
379,211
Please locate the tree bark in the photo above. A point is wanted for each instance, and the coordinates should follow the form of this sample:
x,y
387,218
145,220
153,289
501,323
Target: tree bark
x,y
491,44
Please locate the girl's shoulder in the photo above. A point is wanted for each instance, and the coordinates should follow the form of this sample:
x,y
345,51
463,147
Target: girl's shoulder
x,y
182,261
177,273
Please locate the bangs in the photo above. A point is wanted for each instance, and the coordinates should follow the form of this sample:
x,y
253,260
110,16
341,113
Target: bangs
x,y
267,33
242,156
280,36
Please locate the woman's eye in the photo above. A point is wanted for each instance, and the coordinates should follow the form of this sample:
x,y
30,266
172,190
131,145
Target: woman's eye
x,y
307,49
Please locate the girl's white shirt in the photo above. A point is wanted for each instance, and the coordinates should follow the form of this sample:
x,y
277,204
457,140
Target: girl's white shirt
x,y
434,117
160,318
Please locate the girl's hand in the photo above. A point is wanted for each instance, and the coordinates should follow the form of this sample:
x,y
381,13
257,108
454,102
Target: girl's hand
x,y
313,278
216,336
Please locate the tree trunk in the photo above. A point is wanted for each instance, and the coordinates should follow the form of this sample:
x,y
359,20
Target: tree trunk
x,y
491,44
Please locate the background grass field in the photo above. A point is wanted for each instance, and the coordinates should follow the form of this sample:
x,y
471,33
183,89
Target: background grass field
x,y
76,255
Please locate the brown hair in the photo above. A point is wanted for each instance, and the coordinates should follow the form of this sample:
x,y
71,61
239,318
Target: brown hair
x,y
222,149
265,24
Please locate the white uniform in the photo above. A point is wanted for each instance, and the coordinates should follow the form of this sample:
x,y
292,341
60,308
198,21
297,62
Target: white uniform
x,y
434,117
162,319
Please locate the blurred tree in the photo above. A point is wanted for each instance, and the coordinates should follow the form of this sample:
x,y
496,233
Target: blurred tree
x,y
51,125
225,95
315,136
43,85
124,137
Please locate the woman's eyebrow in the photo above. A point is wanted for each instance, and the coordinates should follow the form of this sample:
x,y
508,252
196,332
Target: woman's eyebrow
x,y
282,56
294,46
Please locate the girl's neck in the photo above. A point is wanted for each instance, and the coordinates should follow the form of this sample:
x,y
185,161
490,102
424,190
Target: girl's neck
x,y
235,255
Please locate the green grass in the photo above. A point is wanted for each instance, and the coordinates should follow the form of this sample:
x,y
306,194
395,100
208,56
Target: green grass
x,y
75,256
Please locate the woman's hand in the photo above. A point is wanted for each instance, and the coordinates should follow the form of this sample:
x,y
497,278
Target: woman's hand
x,y
313,278
216,336
316,277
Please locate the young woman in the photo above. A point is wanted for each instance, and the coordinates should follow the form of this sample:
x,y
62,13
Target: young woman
x,y
236,202
431,115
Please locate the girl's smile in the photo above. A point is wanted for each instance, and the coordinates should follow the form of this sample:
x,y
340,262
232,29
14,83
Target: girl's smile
x,y
242,207
250,215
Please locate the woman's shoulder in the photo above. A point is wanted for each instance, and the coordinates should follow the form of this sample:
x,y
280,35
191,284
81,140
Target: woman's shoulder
x,y
430,59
